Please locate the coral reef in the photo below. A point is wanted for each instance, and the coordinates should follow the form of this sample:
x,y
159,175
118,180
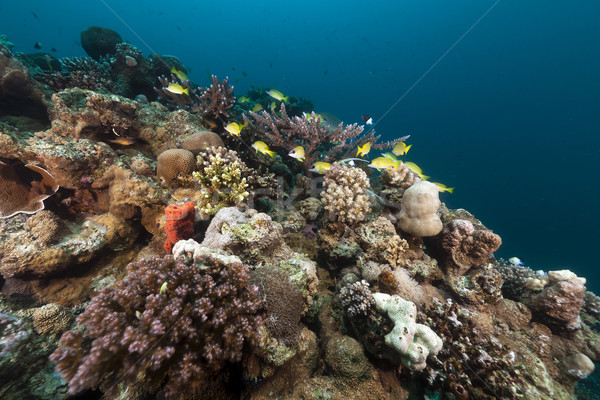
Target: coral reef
x,y
168,320
18,194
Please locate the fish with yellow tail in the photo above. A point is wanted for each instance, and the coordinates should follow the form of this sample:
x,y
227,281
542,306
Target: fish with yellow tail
x,y
320,167
277,95
443,188
297,153
384,163
401,149
257,107
163,289
176,88
363,150
262,147
243,99
234,128
180,74
417,170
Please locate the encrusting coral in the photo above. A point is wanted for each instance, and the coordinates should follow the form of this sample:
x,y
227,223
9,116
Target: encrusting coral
x,y
345,197
169,321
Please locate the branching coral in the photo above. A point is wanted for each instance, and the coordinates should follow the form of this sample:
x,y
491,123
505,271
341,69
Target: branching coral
x,y
345,197
167,321
215,100
223,179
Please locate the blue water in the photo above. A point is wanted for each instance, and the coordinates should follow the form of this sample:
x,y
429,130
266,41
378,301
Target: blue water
x,y
510,116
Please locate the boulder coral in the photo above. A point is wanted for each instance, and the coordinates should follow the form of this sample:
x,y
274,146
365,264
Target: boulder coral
x,y
420,204
175,163
200,141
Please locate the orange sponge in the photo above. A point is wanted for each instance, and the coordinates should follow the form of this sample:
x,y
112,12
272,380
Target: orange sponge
x,y
179,224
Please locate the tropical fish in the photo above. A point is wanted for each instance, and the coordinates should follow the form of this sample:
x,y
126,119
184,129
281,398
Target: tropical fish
x,y
177,89
391,156
257,107
320,167
122,141
515,261
297,152
263,148
138,314
273,105
244,99
211,124
163,289
367,119
442,188
277,95
234,128
364,150
401,149
383,163
416,169
319,118
180,74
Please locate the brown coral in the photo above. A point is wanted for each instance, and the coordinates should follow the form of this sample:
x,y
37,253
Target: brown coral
x,y
175,163
199,141
419,216
21,194
345,196
465,245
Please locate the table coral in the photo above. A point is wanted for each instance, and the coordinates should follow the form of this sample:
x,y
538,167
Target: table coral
x,y
179,224
168,322
345,197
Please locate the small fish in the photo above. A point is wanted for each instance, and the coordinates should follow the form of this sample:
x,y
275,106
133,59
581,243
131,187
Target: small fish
x,y
416,169
163,289
257,107
138,314
364,150
277,95
53,49
234,128
443,188
273,105
297,152
401,149
320,167
263,148
180,74
515,261
383,163
122,141
178,89
244,99
35,16
211,124
37,45
391,156
367,119
318,117
245,74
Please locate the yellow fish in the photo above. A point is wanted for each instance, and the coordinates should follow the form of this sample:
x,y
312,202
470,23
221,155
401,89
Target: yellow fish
x,y
384,163
401,149
273,105
442,188
263,148
234,128
122,141
320,167
257,107
177,89
163,289
297,152
364,150
391,156
319,118
277,95
180,74
416,169
244,99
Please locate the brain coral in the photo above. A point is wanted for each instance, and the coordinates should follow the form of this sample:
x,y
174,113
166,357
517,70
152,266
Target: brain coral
x,y
345,197
169,322
175,163
200,141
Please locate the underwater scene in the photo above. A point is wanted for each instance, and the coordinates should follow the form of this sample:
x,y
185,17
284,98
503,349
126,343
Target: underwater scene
x,y
304,200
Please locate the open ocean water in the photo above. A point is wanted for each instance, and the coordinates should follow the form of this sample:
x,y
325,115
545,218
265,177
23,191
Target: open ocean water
x,y
501,98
